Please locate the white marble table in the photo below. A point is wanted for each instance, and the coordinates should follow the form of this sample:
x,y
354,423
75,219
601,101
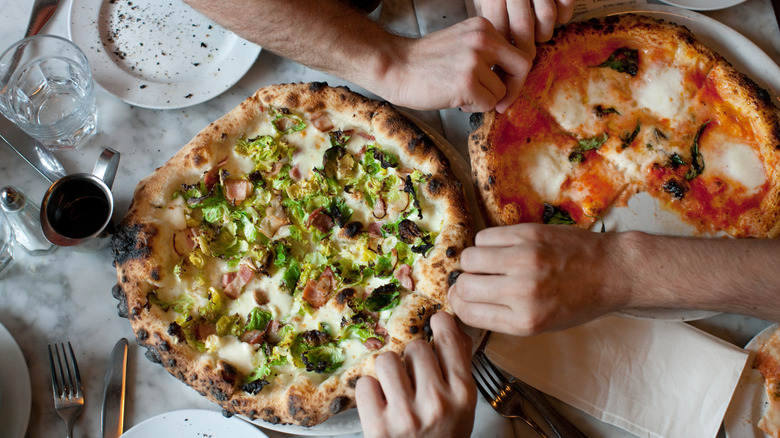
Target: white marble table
x,y
66,295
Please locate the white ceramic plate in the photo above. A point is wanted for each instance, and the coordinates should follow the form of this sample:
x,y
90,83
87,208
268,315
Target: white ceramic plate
x,y
340,424
704,5
190,423
159,55
645,213
749,400
15,385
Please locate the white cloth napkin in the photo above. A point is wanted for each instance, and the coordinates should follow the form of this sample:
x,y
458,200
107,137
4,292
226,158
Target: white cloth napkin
x,y
651,378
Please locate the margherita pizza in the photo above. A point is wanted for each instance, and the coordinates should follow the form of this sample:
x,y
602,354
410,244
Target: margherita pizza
x,y
628,104
290,242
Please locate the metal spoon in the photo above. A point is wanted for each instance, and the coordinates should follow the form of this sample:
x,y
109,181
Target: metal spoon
x,y
42,12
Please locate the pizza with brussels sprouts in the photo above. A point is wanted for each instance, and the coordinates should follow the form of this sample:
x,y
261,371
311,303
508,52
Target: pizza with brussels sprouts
x,y
290,242
626,104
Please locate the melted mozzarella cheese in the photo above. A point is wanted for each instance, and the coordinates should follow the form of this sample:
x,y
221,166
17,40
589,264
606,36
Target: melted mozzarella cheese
x,y
174,214
567,109
662,93
547,171
231,350
736,161
634,161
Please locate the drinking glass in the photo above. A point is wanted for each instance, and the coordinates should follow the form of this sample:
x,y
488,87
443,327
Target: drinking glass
x,y
46,89
6,244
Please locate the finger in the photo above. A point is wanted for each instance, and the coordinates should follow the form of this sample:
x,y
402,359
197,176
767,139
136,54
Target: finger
x,y
423,367
494,260
488,316
515,64
453,349
371,403
496,13
509,235
514,85
493,289
491,80
395,381
545,14
521,24
565,10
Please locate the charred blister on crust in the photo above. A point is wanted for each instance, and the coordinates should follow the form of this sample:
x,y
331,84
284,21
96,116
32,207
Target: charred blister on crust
x,y
121,306
130,242
434,185
339,404
141,335
451,252
316,87
475,120
453,277
218,394
228,372
153,355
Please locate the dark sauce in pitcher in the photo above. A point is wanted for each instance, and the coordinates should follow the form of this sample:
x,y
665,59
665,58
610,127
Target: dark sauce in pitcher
x,y
78,209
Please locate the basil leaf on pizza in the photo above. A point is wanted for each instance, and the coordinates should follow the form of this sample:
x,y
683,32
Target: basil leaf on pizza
x,y
291,241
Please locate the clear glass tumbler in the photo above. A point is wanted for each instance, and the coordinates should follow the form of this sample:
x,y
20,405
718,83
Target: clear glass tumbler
x,y
46,89
6,244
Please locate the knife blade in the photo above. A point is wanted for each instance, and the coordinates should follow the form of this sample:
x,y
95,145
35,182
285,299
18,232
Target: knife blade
x,y
31,150
113,412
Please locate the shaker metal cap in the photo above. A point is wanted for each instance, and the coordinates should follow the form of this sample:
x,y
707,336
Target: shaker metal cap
x,y
12,199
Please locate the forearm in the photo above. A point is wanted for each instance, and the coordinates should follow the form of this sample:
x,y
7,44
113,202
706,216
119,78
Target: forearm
x,y
728,275
326,35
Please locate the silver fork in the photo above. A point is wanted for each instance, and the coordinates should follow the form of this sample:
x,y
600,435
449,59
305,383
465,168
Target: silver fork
x,y
499,392
66,385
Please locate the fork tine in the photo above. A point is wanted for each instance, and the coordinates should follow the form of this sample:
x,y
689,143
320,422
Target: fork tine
x,y
55,387
65,387
477,375
489,380
78,385
498,377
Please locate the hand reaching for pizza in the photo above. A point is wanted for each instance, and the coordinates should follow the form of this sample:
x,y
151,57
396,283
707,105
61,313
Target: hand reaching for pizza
x,y
526,21
455,67
528,278
428,393
523,23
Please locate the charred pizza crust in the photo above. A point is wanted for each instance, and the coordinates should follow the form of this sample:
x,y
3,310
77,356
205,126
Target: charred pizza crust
x,y
145,250
711,90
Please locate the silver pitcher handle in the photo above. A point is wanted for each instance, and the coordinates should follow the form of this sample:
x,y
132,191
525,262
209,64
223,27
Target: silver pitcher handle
x,y
106,166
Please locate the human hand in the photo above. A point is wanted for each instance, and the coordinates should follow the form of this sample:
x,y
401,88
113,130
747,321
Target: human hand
x,y
528,278
526,21
454,68
429,394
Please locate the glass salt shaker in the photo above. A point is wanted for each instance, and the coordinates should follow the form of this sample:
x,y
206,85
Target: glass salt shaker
x,y
25,220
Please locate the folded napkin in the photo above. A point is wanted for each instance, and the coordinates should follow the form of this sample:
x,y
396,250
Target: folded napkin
x,y
651,378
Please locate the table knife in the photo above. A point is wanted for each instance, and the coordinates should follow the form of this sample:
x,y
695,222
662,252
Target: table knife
x,y
113,412
31,150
